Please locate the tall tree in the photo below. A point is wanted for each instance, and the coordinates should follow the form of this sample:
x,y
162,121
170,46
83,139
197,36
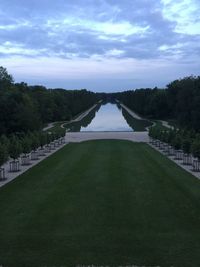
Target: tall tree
x,y
5,79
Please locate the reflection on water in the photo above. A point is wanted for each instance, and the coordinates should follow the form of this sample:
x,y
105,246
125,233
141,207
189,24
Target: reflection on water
x,y
77,126
103,118
108,117
138,125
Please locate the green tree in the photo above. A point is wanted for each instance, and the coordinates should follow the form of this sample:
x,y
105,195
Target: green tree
x,y
26,144
195,148
15,147
3,154
186,144
5,141
5,79
176,142
42,139
35,140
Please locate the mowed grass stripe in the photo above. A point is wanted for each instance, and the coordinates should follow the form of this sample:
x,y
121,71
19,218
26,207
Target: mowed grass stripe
x,y
105,202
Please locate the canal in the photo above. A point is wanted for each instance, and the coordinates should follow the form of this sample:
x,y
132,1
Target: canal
x,y
108,117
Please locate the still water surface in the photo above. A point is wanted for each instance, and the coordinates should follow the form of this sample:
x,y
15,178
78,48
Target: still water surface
x,y
108,118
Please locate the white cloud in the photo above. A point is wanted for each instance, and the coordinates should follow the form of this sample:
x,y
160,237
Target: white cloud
x,y
120,28
107,27
16,25
10,49
185,13
113,38
114,52
171,47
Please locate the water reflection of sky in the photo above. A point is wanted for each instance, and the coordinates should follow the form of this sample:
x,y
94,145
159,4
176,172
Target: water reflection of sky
x,y
108,118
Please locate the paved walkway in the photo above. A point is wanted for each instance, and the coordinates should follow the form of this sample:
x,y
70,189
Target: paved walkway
x,y
85,136
166,124
132,113
187,168
49,126
12,175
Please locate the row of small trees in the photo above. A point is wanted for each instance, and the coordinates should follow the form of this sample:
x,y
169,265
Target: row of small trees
x,y
23,144
180,140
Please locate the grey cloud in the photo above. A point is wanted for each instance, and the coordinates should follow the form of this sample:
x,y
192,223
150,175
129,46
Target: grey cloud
x,y
62,42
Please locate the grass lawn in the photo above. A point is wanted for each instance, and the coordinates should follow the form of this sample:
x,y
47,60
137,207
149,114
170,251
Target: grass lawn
x,y
137,124
159,124
106,203
173,123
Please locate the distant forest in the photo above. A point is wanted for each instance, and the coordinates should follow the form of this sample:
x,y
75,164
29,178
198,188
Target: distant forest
x,y
26,108
180,101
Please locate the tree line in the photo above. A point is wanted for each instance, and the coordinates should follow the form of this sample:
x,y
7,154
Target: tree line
x,y
180,143
180,100
24,144
26,108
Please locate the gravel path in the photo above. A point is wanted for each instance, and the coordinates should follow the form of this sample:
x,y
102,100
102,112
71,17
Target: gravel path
x,y
80,117
132,113
166,124
50,125
85,136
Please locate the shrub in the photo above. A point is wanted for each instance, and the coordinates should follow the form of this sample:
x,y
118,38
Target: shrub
x,y
3,154
15,147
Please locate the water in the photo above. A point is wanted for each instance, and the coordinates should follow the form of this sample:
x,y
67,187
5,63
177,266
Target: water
x,y
109,117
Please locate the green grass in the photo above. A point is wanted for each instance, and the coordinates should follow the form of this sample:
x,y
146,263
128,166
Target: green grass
x,y
137,124
106,203
56,127
159,124
173,123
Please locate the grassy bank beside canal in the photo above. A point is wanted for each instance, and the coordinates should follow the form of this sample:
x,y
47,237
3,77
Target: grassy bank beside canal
x,y
104,203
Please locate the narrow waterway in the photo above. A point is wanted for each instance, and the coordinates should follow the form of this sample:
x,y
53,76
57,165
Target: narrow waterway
x,y
108,118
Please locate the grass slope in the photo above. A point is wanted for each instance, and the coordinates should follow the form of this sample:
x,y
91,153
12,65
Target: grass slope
x,y
103,203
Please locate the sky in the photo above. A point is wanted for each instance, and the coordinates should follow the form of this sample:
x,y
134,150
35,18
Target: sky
x,y
100,45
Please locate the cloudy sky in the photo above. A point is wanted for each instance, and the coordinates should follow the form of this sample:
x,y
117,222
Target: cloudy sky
x,y
101,45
